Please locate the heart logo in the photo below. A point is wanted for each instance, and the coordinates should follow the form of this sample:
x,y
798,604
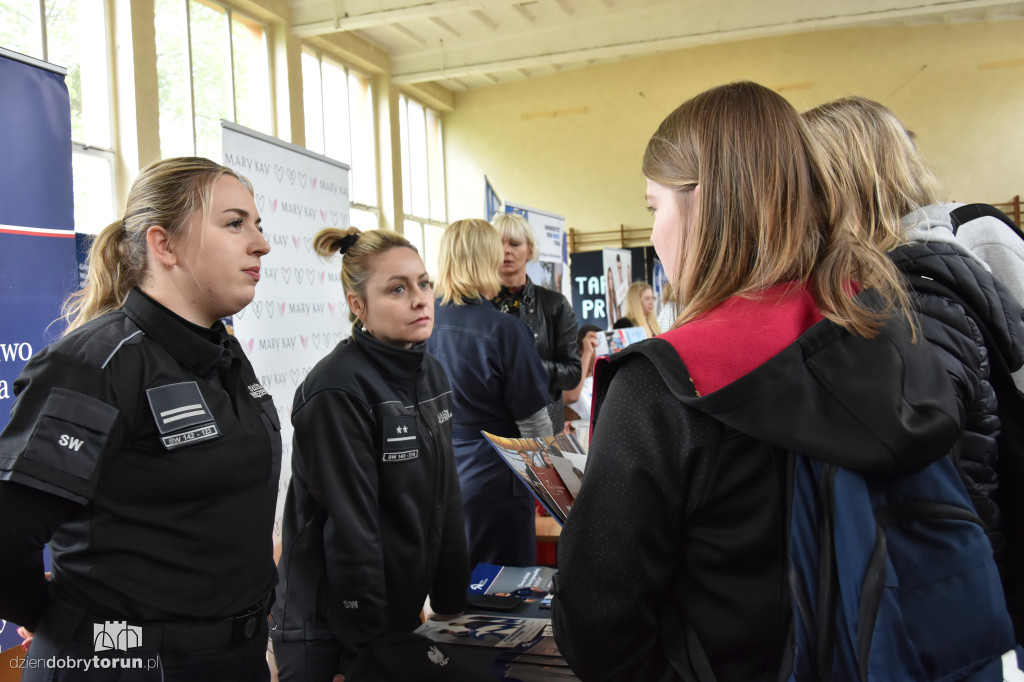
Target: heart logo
x,y
281,308
273,206
291,177
331,307
298,275
279,172
323,215
249,345
259,200
321,277
286,275
313,182
295,240
302,180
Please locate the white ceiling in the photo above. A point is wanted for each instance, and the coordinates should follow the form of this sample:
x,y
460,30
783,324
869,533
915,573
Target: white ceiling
x,y
464,44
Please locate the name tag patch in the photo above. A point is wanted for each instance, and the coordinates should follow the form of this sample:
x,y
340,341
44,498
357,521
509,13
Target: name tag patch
x,y
401,442
181,414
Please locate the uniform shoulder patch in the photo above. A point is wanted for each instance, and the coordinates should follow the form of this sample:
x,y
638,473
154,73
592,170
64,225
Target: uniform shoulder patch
x,y
181,414
401,442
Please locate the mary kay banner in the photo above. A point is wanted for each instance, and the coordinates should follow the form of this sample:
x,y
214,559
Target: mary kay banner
x,y
37,238
299,312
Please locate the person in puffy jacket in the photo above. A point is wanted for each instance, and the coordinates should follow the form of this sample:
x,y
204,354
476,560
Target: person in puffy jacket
x,y
894,197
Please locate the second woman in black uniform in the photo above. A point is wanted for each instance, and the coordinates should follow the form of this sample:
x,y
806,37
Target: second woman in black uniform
x,y
373,519
142,447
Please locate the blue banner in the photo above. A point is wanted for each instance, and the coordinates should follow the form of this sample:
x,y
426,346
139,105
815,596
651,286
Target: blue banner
x,y
37,239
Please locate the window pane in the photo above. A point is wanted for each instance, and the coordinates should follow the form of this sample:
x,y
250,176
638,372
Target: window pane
x,y
364,165
21,27
403,141
93,177
364,220
413,231
435,159
432,247
76,38
253,104
336,117
173,82
312,103
418,161
211,75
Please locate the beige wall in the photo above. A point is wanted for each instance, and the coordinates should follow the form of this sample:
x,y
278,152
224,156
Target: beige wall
x,y
571,143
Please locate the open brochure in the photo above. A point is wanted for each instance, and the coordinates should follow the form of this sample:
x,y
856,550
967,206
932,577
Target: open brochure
x,y
551,467
503,632
521,581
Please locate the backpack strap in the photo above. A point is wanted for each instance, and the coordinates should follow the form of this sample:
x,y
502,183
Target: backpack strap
x,y
969,212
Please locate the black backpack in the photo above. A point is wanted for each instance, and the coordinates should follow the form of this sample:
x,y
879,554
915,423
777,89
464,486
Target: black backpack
x,y
969,212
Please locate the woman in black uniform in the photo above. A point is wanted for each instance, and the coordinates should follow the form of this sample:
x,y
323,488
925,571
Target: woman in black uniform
x,y
142,447
373,517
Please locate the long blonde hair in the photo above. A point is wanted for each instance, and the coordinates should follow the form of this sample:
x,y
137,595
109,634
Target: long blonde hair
x,y
874,161
358,249
767,213
635,309
166,193
471,253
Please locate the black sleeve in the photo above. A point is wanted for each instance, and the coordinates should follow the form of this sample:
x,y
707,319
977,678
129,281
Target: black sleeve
x,y
619,547
29,518
563,368
334,449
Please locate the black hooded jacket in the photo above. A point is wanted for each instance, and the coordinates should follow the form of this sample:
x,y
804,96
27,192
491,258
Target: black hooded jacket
x,y
674,556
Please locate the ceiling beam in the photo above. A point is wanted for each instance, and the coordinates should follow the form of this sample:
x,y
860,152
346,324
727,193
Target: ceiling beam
x,y
412,9
646,47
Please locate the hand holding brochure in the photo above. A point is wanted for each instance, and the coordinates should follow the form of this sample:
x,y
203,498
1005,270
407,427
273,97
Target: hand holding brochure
x,y
551,467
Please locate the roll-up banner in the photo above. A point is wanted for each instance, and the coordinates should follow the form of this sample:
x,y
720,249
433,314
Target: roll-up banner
x,y
37,237
299,313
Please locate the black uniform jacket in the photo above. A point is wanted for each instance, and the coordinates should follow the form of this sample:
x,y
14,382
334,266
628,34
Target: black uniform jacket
x,y
675,550
168,448
373,517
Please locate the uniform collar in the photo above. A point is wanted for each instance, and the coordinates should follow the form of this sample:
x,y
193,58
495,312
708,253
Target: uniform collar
x,y
395,364
200,349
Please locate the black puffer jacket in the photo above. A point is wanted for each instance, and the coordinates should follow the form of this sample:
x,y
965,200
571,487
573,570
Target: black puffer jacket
x,y
929,267
553,323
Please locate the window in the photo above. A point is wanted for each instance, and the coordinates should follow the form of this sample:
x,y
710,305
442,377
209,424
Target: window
x,y
338,104
212,63
423,194
73,34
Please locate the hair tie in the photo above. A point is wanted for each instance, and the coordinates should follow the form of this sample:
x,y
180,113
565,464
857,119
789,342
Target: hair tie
x,y
124,226
347,241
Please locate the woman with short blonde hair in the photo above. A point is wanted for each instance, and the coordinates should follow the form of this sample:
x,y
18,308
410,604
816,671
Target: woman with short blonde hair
x,y
468,267
498,385
545,311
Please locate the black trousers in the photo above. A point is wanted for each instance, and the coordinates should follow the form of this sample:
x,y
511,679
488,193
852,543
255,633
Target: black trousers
x,y
70,647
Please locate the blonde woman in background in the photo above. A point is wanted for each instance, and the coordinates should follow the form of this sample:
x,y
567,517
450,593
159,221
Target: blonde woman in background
x,y
640,310
498,385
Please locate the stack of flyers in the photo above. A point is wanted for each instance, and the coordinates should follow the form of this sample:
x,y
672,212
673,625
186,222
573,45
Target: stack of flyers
x,y
503,632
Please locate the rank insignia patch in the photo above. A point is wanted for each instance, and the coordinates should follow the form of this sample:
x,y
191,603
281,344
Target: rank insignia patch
x,y
400,440
181,414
